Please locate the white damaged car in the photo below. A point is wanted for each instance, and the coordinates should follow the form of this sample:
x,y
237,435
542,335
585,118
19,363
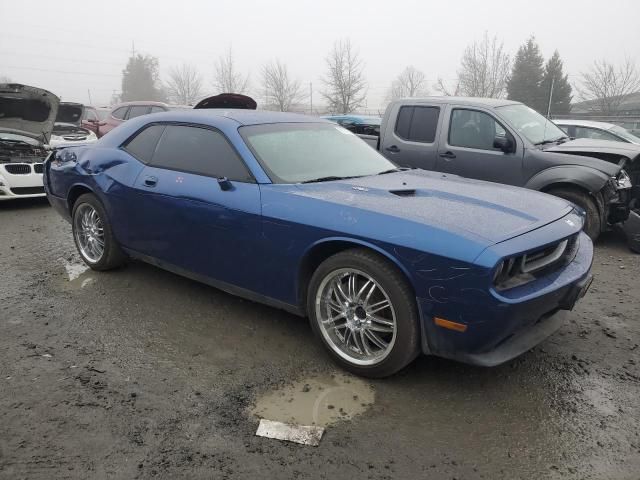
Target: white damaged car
x,y
27,116
68,130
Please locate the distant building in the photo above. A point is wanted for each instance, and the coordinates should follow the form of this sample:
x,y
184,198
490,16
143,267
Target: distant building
x,y
630,106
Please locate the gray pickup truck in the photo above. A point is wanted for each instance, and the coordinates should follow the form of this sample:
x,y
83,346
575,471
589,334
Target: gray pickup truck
x,y
507,142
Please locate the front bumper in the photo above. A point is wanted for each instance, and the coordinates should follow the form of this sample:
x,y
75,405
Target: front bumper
x,y
23,185
502,325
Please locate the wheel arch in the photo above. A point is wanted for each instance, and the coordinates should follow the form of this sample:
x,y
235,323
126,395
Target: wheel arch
x,y
587,179
323,249
75,192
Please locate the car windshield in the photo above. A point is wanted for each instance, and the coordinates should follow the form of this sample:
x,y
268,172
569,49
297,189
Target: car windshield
x,y
621,132
536,128
305,152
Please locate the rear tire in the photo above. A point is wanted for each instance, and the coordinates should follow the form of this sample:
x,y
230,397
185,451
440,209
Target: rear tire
x,y
93,236
593,221
347,309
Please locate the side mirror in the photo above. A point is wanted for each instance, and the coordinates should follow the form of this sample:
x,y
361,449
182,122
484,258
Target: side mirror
x,y
224,184
503,143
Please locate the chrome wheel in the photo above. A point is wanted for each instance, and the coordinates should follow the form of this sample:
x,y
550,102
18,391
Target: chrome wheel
x,y
89,233
356,316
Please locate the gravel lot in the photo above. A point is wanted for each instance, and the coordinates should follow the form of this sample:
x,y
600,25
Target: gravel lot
x,y
139,373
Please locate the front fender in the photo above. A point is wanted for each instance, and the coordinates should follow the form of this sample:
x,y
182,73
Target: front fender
x,y
587,178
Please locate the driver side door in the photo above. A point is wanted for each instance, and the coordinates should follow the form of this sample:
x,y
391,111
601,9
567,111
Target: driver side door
x,y
466,147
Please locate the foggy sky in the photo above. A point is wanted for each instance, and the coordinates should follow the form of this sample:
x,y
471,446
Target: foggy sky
x,y
70,47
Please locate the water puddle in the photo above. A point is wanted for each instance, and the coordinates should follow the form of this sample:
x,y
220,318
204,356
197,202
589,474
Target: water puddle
x,y
74,270
317,401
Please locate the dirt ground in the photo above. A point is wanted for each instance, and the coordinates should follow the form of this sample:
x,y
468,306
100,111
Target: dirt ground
x,y
139,373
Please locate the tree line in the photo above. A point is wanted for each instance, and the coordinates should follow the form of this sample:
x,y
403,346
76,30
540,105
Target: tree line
x,y
486,70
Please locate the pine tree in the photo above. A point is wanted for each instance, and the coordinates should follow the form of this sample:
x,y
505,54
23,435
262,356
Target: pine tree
x,y
140,79
561,98
527,75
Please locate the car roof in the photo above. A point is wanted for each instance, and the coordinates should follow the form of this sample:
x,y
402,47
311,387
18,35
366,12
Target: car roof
x,y
139,102
585,123
240,116
471,101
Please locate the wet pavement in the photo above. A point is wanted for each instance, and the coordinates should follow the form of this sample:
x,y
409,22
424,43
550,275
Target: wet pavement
x,y
139,373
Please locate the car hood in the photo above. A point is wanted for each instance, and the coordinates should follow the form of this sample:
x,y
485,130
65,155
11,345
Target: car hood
x,y
485,212
228,100
28,111
587,146
70,113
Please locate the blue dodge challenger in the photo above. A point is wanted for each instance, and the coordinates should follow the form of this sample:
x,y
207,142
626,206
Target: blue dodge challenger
x,y
299,213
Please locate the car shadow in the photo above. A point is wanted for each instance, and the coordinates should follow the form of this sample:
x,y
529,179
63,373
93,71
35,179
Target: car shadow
x,y
24,204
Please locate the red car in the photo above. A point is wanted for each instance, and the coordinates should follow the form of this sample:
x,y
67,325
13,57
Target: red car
x,y
127,110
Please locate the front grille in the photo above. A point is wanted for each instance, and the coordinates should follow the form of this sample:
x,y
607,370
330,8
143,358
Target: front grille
x,y
38,168
18,168
27,190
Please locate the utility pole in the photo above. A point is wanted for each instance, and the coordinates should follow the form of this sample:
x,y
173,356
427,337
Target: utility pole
x,y
311,97
89,92
550,97
133,49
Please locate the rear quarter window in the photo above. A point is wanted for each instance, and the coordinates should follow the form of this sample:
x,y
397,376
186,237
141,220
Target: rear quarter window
x,y
143,145
417,124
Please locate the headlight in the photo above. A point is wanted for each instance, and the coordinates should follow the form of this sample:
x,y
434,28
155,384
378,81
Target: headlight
x,y
622,180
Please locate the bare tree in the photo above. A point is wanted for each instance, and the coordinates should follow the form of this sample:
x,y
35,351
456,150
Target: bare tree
x,y
410,83
184,85
609,86
226,77
280,91
345,86
484,70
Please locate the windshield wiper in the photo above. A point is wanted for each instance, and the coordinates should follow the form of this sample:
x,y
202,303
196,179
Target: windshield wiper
x,y
328,179
391,170
564,138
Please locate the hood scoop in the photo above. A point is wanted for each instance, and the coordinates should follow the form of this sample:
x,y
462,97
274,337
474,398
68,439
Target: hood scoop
x,y
404,192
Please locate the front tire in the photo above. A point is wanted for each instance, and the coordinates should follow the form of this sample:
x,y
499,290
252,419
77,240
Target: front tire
x,y
93,236
364,312
593,221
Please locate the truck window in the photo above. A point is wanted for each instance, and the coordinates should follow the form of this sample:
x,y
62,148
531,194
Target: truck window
x,y
417,124
473,129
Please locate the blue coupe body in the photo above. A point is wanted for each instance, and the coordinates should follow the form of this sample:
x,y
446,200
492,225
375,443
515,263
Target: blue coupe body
x,y
449,236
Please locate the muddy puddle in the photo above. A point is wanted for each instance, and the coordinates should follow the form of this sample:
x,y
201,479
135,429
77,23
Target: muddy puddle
x,y
320,401
78,274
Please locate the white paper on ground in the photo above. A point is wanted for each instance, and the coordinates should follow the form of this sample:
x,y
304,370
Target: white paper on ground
x,y
303,434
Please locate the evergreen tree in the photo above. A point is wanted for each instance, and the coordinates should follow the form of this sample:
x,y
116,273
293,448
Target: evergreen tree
x,y
527,75
561,98
140,79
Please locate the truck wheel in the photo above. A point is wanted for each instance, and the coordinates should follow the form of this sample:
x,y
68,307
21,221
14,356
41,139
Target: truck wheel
x,y
364,312
93,236
593,221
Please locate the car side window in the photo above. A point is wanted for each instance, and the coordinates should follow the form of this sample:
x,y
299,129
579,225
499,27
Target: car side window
x,y
137,110
119,113
586,132
157,109
199,150
90,115
474,129
417,124
144,143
